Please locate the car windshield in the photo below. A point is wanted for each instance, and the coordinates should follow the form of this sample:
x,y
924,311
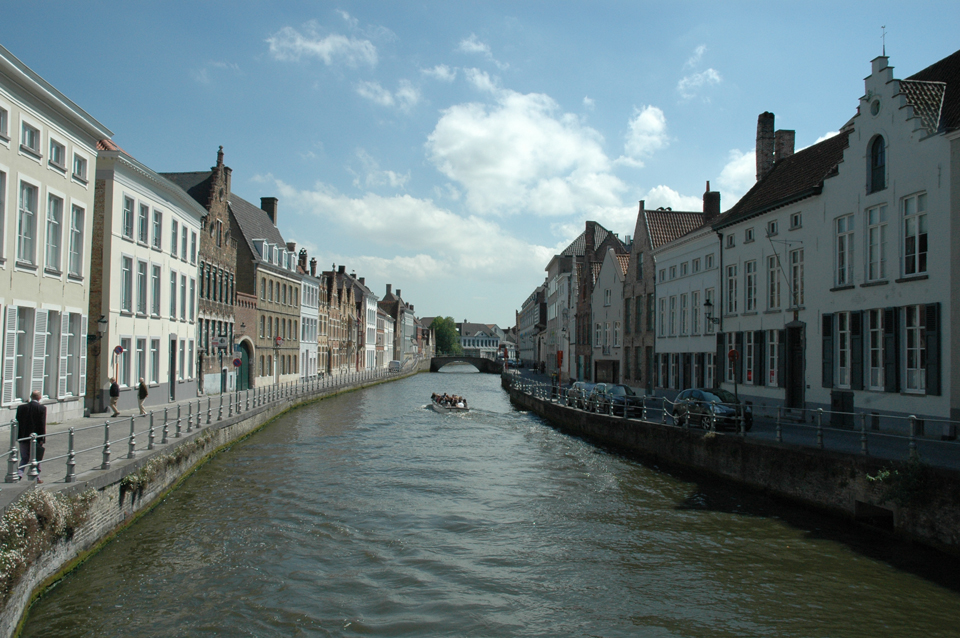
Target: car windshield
x,y
719,395
620,390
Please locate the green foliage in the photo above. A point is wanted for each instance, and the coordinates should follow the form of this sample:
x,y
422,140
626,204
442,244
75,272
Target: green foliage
x,y
448,339
136,482
904,486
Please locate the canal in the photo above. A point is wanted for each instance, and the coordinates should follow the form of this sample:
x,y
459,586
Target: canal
x,y
367,514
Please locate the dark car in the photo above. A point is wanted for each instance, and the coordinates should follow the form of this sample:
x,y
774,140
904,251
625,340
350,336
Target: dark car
x,y
577,394
615,398
699,407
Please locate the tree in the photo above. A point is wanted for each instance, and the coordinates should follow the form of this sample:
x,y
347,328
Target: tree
x,y
448,340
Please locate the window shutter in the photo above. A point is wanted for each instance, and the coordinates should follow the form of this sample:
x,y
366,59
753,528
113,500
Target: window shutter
x,y
856,350
9,355
698,382
932,321
62,377
720,365
738,367
827,353
891,350
82,345
39,350
758,359
781,358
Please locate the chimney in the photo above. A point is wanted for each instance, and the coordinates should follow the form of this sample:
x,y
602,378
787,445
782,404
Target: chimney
x,y
411,305
784,141
343,269
389,286
302,259
220,158
313,267
398,292
362,280
269,206
711,205
765,144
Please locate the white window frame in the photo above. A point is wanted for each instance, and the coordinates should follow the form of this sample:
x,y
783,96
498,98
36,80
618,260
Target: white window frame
x,y
796,277
695,312
750,286
30,139
663,317
75,261
126,284
157,229
773,357
154,361
773,227
843,274
843,349
875,362
914,359
53,241
749,352
4,124
142,279
773,282
58,155
79,167
27,223
731,289
684,310
124,362
876,243
915,243
796,220
174,236
673,315
710,295
143,224
127,217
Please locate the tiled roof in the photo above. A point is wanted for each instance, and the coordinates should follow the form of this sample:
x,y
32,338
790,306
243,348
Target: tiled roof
x,y
666,225
254,223
109,145
624,261
579,245
197,184
926,98
797,177
595,270
946,71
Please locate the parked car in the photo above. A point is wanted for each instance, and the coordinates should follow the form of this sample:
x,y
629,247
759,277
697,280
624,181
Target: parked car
x,y
615,398
698,407
577,394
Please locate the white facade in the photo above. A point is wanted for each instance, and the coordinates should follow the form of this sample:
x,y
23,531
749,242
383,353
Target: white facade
x,y
368,313
309,327
607,320
47,162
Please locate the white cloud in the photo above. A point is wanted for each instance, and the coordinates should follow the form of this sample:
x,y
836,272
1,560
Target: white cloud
x,y
349,19
482,81
668,198
371,175
825,136
694,59
202,75
689,85
647,133
522,154
441,72
737,177
405,97
289,44
474,46
588,102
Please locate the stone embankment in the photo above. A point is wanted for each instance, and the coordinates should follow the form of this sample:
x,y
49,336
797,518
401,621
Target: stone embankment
x,y
67,522
914,500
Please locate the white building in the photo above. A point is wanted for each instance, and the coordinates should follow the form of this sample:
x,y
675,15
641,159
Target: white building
x,y
561,316
531,321
607,318
47,161
147,238
309,318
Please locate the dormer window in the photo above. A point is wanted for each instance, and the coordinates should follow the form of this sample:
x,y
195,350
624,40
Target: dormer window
x,y
878,165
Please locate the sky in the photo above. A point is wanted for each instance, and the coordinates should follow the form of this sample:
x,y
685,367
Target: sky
x,y
452,148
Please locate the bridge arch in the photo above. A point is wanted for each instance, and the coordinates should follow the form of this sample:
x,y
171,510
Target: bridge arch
x,y
483,365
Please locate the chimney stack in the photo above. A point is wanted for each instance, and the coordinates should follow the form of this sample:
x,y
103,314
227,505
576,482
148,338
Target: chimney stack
x,y
269,206
343,269
363,281
302,259
398,292
711,205
389,287
313,267
765,144
784,141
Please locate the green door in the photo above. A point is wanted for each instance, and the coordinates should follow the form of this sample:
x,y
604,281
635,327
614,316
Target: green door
x,y
243,380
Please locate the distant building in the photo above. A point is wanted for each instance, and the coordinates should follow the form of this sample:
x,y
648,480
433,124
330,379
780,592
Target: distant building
x,y
607,318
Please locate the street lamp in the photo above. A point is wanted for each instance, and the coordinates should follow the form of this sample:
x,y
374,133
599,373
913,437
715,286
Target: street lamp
x,y
708,313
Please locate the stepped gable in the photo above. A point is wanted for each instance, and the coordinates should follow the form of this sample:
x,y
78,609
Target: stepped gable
x,y
791,179
920,91
665,225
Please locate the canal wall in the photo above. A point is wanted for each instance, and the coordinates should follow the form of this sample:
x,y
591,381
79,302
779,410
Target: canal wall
x,y
112,499
915,501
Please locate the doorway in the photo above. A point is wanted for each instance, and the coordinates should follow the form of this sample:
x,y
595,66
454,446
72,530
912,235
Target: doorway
x,y
795,381
172,381
243,379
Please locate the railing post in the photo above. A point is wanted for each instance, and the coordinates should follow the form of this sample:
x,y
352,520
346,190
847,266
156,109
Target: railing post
x,y
230,406
913,434
779,425
166,429
132,442
34,471
247,403
209,409
177,433
106,446
663,410
220,411
643,410
13,460
863,434
199,415
152,437
71,459
189,418
819,428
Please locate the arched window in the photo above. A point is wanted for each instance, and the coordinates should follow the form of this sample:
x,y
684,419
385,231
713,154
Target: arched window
x,y
878,165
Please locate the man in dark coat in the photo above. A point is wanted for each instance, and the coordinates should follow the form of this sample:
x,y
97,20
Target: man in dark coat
x,y
114,396
31,419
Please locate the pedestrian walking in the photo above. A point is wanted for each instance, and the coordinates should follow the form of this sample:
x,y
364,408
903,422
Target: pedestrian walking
x,y
142,395
31,419
114,396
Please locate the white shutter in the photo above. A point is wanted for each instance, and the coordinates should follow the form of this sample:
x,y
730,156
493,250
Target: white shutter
x,y
39,350
64,343
9,355
81,388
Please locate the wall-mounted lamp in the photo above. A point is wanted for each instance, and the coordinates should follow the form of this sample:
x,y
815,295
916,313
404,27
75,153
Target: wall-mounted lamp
x,y
708,313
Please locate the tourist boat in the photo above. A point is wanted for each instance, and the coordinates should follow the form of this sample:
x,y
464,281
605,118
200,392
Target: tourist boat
x,y
446,409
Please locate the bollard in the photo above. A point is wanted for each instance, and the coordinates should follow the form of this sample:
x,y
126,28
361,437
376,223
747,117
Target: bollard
x,y
199,415
71,459
779,426
209,410
152,437
220,411
132,441
189,418
106,446
820,428
166,428
34,471
178,432
247,404
230,406
863,433
663,410
643,411
913,435
13,461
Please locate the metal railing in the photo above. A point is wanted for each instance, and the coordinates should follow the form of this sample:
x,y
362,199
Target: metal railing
x,y
170,423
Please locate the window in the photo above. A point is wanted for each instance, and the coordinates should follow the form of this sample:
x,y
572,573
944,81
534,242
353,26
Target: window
x,y
154,361
190,359
263,289
708,261
708,295
772,228
731,241
182,368
773,357
843,349
730,366
695,312
844,250
695,265
773,282
193,247
183,297
748,235
155,286
616,334
183,242
141,291
75,267
193,299
54,232
598,335
673,272
749,352
663,274
915,234
79,167
141,360
796,221
262,321
915,352
143,221
875,380
126,218
157,230
796,276
4,123
673,316
878,165
3,208
27,224
173,295
640,267
684,313
58,155
750,286
683,268
606,296
30,139
219,233
732,289
126,284
877,243
663,317
124,362
174,237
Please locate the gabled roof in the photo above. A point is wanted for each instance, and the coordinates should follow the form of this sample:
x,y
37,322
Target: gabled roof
x,y
926,98
946,71
666,225
624,261
254,223
595,270
197,184
797,177
578,246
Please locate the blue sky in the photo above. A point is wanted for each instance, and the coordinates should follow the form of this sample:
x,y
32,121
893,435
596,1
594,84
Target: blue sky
x,y
451,148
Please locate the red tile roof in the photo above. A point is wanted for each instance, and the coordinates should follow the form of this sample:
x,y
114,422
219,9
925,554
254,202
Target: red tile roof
x,y
109,145
624,261
666,225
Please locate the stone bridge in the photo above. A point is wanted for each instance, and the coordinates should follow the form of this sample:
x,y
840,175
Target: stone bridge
x,y
481,364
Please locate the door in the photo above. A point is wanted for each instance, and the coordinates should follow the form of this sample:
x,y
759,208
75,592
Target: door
x,y
795,369
243,381
172,381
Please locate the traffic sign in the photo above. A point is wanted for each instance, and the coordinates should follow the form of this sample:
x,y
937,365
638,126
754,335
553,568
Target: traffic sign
x,y
237,363
733,355
118,350
223,343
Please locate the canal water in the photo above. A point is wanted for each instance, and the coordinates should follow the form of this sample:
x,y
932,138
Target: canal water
x,y
370,515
